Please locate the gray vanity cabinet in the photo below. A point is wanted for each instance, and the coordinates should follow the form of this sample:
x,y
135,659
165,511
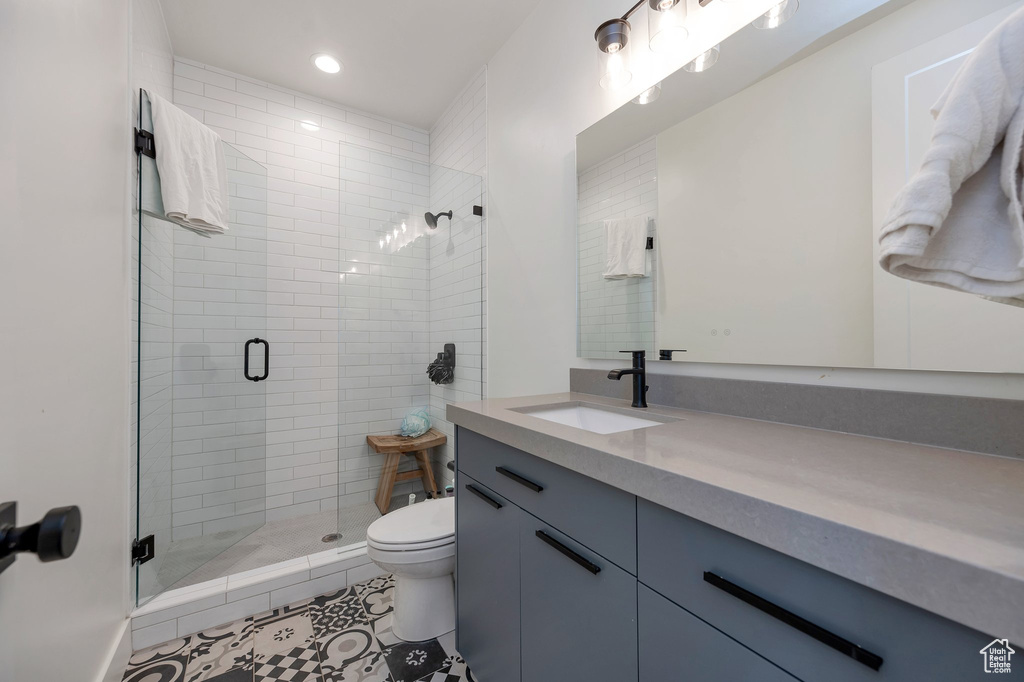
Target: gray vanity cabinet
x,y
676,645
560,577
578,610
488,581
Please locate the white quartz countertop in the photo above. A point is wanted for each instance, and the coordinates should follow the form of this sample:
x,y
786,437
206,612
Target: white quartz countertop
x,y
940,529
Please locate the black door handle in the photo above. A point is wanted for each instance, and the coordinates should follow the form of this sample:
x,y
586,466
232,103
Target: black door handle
x,y
266,360
53,538
519,479
844,646
582,561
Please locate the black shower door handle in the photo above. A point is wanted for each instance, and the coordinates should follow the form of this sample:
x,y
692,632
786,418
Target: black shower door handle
x,y
266,360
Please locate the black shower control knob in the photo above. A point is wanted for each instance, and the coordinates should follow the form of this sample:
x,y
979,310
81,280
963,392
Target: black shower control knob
x,y
58,533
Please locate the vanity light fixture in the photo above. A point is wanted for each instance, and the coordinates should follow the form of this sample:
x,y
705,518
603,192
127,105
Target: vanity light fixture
x,y
704,61
649,95
326,63
777,15
613,61
666,23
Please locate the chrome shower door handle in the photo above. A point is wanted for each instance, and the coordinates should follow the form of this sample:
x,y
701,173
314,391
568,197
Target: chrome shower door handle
x,y
266,360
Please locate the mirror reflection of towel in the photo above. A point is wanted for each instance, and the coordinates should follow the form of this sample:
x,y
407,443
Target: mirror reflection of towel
x,y
626,244
959,223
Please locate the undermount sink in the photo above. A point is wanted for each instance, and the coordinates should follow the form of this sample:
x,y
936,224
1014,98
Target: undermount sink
x,y
594,418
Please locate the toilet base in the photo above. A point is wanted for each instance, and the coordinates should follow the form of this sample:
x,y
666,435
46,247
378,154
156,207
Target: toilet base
x,y
424,607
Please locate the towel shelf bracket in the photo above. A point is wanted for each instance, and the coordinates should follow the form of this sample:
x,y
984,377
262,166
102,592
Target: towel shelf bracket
x,y
144,143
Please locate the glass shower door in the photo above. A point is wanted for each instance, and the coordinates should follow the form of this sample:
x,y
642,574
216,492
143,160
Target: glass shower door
x,y
202,368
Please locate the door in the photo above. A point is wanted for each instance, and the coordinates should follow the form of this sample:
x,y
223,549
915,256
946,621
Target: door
x,y
912,320
487,581
202,367
578,610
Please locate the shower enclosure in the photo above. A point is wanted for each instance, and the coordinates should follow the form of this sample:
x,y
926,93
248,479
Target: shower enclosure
x,y
266,355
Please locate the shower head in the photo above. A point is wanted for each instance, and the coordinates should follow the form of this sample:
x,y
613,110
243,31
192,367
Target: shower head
x,y
432,219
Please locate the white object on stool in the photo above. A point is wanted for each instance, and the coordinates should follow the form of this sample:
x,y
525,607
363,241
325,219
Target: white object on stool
x,y
417,544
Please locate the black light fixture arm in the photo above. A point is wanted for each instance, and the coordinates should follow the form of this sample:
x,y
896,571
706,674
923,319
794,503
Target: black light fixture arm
x,y
633,9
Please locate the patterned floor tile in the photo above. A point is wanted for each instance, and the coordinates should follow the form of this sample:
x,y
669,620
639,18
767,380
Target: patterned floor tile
x,y
382,630
373,668
239,675
163,663
337,611
301,664
282,630
340,649
411,661
219,651
377,596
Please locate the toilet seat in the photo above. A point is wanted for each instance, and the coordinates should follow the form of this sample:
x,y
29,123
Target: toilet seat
x,y
423,526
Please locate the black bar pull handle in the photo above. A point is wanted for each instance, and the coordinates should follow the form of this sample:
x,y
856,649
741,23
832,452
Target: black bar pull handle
x,y
266,360
843,646
582,561
483,496
519,479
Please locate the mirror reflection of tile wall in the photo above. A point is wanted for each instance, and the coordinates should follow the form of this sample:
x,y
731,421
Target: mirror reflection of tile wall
x,y
616,314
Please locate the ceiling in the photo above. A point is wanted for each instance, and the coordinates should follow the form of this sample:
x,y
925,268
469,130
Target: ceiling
x,y
403,59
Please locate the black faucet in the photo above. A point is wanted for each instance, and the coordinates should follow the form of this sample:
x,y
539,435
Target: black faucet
x,y
639,372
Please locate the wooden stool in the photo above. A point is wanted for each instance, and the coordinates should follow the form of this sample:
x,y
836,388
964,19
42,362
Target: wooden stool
x,y
396,446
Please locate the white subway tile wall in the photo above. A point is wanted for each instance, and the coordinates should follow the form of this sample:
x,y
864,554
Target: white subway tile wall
x,y
349,321
458,292
616,315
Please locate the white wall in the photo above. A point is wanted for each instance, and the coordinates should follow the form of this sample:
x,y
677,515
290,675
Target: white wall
x,y
542,91
64,325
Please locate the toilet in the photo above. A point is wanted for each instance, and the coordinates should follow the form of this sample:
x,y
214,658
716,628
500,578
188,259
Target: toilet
x,y
417,544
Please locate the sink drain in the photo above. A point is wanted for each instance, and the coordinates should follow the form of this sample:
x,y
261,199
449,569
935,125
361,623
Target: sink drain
x,y
331,537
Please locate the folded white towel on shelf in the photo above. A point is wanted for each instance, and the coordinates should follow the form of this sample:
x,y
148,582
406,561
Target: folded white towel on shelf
x,y
193,171
626,245
959,223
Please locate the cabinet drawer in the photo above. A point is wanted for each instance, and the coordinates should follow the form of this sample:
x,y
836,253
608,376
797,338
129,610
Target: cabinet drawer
x,y
773,604
601,517
487,581
577,624
675,645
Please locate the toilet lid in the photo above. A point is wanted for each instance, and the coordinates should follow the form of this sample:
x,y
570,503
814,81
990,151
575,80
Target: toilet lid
x,y
425,522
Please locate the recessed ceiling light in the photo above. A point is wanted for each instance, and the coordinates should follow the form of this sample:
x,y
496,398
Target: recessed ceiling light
x,y
309,125
326,63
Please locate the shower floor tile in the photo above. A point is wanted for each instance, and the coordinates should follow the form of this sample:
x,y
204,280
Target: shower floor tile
x,y
272,543
344,636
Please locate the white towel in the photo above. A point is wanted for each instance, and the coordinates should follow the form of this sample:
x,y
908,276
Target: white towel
x,y
959,223
193,172
626,244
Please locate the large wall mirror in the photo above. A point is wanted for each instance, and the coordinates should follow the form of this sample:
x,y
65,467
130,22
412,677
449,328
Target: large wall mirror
x,y
762,183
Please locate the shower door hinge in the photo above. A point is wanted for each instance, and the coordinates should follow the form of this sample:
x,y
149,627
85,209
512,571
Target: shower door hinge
x,y
143,550
145,143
